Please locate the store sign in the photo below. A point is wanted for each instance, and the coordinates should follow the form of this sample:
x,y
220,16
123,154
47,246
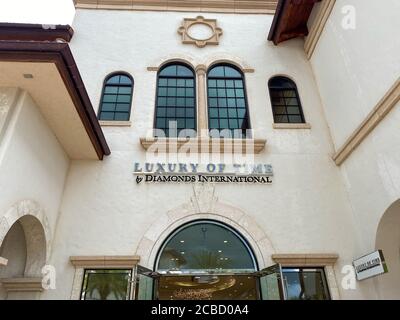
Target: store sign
x,y
211,172
370,265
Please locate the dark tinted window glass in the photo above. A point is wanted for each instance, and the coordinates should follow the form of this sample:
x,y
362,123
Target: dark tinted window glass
x,y
285,101
227,106
305,284
175,104
117,97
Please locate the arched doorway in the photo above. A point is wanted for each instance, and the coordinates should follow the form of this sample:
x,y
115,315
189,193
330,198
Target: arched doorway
x,y
207,260
388,240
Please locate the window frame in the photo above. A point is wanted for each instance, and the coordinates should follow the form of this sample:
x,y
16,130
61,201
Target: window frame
x,y
108,77
195,117
245,96
320,269
299,104
85,277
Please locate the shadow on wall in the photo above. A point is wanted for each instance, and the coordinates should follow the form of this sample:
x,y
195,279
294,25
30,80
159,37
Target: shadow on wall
x,y
388,239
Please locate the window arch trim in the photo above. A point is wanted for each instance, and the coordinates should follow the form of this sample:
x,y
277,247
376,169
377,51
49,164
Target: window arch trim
x,y
242,66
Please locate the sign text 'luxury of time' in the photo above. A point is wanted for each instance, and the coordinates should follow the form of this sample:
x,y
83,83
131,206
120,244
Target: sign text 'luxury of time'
x,y
195,172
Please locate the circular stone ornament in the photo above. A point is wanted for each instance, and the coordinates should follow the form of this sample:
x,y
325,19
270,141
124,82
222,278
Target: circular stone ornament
x,y
200,31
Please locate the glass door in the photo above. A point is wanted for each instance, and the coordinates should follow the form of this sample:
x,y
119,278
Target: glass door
x,y
144,283
271,283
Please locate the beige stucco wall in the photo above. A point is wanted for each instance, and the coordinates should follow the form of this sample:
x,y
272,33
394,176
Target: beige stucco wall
x,y
353,70
104,211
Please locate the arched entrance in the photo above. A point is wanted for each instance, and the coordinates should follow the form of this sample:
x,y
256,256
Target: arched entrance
x,y
388,240
206,260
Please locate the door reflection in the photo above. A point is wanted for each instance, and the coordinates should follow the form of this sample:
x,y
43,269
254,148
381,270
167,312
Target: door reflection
x,y
208,287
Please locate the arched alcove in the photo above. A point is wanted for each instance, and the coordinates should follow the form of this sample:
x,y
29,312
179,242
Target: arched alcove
x,y
26,223
14,250
388,240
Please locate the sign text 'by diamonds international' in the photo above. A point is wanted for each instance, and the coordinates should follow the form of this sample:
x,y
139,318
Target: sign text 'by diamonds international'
x,y
195,172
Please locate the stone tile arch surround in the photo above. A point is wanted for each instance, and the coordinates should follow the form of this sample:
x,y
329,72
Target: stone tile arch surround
x,y
205,205
37,233
207,62
229,59
178,57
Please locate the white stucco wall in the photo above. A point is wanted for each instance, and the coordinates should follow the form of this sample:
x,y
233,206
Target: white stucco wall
x,y
374,170
104,211
354,68
372,175
33,165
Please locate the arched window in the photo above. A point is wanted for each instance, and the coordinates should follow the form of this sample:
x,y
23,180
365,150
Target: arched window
x,y
227,103
116,98
176,99
285,101
205,246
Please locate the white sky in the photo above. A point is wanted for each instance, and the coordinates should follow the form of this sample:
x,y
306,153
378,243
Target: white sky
x,y
37,11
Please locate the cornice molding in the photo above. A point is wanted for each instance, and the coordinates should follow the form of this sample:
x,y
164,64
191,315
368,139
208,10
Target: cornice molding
x,y
389,100
306,260
206,145
104,261
318,26
22,284
223,6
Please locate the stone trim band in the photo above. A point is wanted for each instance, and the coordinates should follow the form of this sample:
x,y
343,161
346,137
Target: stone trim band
x,y
305,260
389,100
22,284
223,6
104,261
318,26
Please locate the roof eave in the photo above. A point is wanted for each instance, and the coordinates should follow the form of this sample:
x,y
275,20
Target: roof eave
x,y
290,20
61,55
35,32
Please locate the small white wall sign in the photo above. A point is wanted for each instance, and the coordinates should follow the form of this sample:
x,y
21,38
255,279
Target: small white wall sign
x,y
3,261
370,265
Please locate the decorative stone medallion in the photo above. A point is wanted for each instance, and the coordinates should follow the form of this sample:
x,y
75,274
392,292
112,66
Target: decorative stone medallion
x,y
200,31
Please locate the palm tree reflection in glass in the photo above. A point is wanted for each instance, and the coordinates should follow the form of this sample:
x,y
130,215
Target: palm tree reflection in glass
x,y
106,285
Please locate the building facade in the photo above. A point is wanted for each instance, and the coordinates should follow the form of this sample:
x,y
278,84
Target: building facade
x,y
180,151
